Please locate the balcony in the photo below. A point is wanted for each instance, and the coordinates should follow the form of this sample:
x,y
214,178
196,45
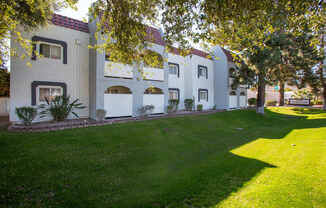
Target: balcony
x,y
154,74
118,70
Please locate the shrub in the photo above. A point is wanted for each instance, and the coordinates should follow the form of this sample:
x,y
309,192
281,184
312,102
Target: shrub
x,y
232,93
100,114
26,115
173,106
252,101
189,103
146,110
271,103
199,107
60,107
214,107
316,102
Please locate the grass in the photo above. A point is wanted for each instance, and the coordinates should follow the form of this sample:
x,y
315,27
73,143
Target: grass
x,y
230,159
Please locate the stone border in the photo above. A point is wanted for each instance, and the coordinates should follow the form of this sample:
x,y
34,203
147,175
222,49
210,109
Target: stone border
x,y
84,123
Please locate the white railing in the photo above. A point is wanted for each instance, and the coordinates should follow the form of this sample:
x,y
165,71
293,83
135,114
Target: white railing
x,y
113,69
153,74
243,102
156,100
118,105
4,105
233,101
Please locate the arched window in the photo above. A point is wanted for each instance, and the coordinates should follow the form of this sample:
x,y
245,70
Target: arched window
x,y
153,59
153,90
118,90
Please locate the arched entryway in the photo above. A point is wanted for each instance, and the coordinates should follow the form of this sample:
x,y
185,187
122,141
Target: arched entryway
x,y
154,96
118,101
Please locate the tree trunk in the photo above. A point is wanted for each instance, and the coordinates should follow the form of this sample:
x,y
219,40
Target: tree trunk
x,y
282,85
324,96
260,95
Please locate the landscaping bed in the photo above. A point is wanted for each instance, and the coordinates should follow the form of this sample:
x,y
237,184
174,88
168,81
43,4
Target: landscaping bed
x,y
84,123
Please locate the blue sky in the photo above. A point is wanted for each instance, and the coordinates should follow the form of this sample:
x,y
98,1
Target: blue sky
x,y
82,9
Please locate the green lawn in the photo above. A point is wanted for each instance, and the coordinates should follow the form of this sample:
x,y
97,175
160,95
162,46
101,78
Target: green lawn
x,y
230,159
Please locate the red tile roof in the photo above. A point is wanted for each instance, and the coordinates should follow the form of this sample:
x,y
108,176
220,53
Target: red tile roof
x,y
228,55
67,22
154,34
200,53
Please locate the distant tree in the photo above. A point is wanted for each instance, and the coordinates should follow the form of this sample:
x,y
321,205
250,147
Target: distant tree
x,y
4,83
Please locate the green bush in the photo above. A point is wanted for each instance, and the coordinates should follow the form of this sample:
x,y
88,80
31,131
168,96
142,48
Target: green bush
x,y
199,107
271,103
316,102
189,103
146,110
252,101
173,106
60,108
214,107
26,115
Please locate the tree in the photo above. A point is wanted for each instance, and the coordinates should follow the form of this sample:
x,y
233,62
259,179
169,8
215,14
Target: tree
x,y
28,15
4,83
242,26
296,54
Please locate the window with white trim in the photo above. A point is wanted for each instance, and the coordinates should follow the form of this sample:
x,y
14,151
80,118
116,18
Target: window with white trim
x,y
51,51
173,94
49,92
203,95
202,71
173,69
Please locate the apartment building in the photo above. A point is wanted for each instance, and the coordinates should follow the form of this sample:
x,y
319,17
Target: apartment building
x,y
69,67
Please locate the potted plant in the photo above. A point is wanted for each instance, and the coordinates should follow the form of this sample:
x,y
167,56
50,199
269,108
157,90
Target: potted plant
x,y
100,114
189,103
146,110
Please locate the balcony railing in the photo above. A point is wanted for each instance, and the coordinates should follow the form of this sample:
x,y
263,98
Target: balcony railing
x,y
113,69
155,74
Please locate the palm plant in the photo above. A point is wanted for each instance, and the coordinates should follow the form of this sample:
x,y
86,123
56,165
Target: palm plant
x,y
60,107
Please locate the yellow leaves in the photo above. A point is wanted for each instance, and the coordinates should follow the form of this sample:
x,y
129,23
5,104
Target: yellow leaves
x,y
29,64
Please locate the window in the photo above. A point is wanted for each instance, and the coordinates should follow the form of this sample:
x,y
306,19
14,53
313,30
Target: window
x,y
50,51
202,71
48,92
202,95
174,69
173,94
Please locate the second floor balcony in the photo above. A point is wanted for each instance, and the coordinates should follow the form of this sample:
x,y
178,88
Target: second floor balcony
x,y
126,71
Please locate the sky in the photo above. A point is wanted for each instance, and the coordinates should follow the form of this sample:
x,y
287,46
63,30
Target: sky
x,y
82,10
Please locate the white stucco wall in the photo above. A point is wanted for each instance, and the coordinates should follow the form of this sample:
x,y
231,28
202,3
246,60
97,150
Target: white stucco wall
x,y
178,82
75,73
202,82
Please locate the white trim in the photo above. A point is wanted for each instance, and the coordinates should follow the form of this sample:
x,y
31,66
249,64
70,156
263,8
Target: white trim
x,y
38,102
38,48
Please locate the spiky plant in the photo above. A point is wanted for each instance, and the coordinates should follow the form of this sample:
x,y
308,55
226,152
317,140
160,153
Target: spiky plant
x,y
60,107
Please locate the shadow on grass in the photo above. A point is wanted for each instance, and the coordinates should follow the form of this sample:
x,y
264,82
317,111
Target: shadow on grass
x,y
300,110
175,162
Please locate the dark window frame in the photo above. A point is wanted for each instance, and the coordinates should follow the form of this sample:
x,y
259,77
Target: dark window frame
x,y
202,66
36,84
202,90
53,41
176,89
175,64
